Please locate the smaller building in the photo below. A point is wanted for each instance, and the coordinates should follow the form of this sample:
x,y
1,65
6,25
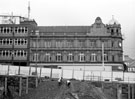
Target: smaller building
x,y
130,63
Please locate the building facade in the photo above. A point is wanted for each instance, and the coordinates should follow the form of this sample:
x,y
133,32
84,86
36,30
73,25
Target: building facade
x,y
77,45
58,46
14,40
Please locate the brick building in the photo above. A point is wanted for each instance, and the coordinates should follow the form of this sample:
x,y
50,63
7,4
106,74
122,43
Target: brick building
x,y
27,43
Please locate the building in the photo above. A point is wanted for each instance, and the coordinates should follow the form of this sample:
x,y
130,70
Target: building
x,y
62,46
130,63
14,39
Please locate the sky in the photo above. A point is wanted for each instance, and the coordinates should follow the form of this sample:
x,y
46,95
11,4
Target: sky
x,y
80,13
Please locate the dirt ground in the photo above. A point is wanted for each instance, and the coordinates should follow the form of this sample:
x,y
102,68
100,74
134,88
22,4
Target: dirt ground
x,y
77,90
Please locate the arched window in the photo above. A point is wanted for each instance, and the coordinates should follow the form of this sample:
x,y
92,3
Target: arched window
x,y
81,57
93,57
58,57
47,57
117,30
70,57
112,31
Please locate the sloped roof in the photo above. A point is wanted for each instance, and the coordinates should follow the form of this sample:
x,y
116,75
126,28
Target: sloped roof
x,y
64,29
132,64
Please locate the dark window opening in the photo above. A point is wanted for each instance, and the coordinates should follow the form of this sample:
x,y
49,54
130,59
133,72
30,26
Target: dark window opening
x,y
18,54
112,31
21,53
19,30
1,29
19,42
16,29
26,29
6,53
4,42
117,30
8,30
11,29
22,42
4,30
7,41
22,30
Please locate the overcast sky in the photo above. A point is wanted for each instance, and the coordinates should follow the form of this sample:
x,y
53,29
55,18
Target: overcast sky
x,y
78,12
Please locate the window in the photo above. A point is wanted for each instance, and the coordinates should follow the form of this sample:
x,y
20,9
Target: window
x,y
16,30
117,31
70,57
10,41
59,57
7,30
1,42
112,31
93,57
4,30
1,30
25,54
92,43
16,41
105,58
22,30
1,53
81,57
22,41
26,30
19,30
48,57
35,57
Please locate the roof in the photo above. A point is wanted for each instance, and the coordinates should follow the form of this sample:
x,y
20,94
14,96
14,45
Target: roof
x,y
132,64
113,21
64,29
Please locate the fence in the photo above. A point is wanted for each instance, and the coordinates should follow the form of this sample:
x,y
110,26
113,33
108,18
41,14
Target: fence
x,y
69,73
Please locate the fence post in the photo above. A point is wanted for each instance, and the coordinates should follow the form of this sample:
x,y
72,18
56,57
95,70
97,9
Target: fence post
x,y
19,70
36,81
73,73
27,85
112,76
128,91
20,86
5,85
40,71
8,70
62,72
30,70
51,72
132,91
119,91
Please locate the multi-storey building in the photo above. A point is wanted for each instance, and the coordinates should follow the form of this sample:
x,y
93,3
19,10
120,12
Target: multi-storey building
x,y
14,39
26,43
77,45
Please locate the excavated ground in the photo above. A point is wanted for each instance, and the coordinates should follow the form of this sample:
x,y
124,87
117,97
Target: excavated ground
x,y
77,90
